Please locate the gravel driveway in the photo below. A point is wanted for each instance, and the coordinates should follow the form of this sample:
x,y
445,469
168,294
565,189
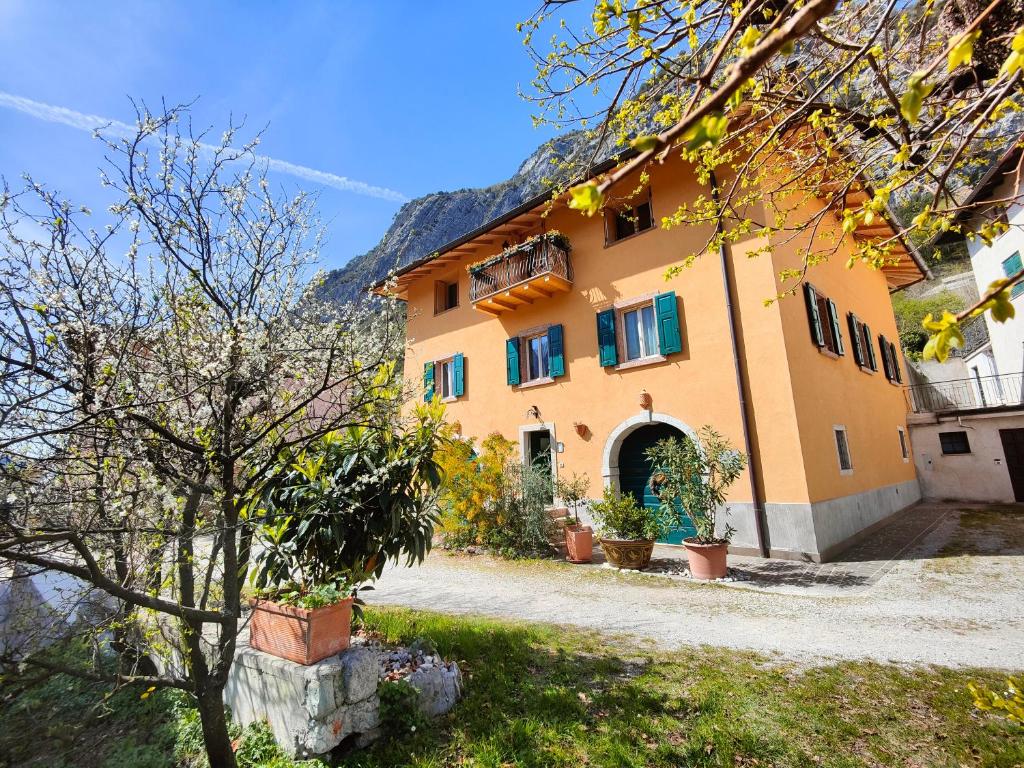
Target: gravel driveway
x,y
946,587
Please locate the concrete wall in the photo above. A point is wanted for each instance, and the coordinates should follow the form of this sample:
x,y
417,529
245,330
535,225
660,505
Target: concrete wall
x,y
980,475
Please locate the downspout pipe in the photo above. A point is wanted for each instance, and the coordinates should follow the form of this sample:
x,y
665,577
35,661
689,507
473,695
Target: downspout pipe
x,y
742,377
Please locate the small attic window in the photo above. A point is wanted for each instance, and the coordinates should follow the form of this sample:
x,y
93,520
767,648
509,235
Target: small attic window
x,y
620,223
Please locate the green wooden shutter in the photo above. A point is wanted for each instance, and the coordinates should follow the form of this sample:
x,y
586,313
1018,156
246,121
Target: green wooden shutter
x,y
512,360
556,354
606,338
666,309
883,348
855,338
1011,267
870,348
458,366
833,322
428,382
813,315
897,375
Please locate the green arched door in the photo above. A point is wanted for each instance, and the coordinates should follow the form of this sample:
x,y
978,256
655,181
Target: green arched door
x,y
635,472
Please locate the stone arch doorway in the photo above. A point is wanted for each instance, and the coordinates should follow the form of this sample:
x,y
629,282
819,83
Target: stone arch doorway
x,y
626,468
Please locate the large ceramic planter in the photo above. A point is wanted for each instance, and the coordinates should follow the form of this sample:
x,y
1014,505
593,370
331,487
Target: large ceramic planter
x,y
579,543
302,635
625,553
707,561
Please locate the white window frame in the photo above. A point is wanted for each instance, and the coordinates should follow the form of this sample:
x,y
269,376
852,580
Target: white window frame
x,y
524,357
904,444
439,379
836,429
621,309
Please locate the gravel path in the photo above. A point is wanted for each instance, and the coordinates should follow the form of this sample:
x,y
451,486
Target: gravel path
x,y
952,597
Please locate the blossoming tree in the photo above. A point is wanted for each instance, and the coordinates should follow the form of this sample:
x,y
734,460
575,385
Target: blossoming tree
x,y
152,370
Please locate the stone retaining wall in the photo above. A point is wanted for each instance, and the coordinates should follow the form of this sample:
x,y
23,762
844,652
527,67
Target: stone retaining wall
x,y
312,709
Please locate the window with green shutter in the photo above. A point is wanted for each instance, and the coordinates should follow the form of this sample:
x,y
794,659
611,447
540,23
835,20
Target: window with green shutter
x,y
823,319
607,352
428,381
670,338
883,349
512,360
869,347
856,339
556,352
814,315
1011,267
459,375
833,323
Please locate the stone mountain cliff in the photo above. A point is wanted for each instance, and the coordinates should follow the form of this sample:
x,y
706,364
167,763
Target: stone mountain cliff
x,y
423,225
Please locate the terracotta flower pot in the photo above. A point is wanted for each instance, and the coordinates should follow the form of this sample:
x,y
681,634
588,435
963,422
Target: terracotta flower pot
x,y
625,553
707,561
302,635
579,543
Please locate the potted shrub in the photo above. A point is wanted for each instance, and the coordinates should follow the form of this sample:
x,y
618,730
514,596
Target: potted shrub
x,y
691,478
579,539
628,530
328,520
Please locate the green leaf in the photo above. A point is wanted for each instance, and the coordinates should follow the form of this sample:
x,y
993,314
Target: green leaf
x,y
586,198
710,130
1015,61
946,336
917,91
644,143
963,50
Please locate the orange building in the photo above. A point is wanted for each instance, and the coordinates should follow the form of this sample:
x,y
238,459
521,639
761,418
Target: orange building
x,y
560,332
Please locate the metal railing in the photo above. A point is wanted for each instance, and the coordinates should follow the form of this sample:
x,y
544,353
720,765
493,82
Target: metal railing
x,y
532,259
967,394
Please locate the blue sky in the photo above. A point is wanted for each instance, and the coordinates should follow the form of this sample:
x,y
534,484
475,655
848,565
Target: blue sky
x,y
408,96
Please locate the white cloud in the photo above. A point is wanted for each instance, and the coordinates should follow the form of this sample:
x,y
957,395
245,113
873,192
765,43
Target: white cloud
x,y
85,122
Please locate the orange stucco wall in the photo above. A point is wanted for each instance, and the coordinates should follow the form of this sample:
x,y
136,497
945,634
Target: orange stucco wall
x,y
796,392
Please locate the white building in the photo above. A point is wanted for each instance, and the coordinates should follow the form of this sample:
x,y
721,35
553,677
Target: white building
x,y
967,433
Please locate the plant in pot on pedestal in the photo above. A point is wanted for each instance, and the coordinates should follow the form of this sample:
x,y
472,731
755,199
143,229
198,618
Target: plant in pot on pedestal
x,y
328,521
691,479
628,530
579,539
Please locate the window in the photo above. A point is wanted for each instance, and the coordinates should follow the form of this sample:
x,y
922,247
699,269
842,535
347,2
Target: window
x,y
823,319
890,360
641,337
954,443
535,356
446,295
904,448
843,451
860,340
626,222
643,329
444,377
1011,267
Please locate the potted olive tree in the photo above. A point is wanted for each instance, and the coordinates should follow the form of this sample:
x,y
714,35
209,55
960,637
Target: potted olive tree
x,y
328,521
628,530
691,478
579,539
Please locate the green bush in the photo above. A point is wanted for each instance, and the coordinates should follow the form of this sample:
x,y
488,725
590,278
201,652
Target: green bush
x,y
621,517
400,707
523,525
691,478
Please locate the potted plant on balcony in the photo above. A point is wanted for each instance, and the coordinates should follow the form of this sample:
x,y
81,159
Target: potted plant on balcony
x,y
691,478
329,519
579,539
628,530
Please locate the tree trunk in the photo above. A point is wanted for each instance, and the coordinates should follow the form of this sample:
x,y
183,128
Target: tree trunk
x,y
210,704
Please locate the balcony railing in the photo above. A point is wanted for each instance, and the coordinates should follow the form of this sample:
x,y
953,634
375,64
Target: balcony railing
x,y
535,269
967,394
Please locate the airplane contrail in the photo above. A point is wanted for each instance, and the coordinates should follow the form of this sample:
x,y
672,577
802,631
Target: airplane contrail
x,y
85,122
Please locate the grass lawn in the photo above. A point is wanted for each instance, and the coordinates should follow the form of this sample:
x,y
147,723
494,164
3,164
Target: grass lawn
x,y
547,696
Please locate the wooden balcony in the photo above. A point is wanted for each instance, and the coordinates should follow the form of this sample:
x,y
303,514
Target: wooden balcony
x,y
536,269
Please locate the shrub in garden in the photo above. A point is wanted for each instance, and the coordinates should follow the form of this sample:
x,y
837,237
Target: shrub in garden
x,y
472,482
691,478
523,527
621,517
